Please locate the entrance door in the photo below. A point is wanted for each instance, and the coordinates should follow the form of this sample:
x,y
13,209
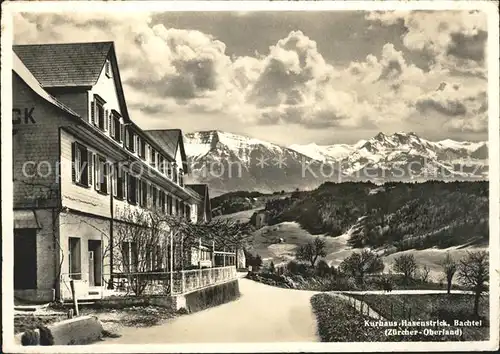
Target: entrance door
x,y
25,259
95,263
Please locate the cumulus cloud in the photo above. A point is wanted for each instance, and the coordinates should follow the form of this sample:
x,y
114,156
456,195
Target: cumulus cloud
x,y
168,71
456,39
469,106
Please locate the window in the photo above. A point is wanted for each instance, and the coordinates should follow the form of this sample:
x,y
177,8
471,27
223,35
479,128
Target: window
x,y
141,148
174,173
101,174
107,68
98,114
143,193
129,256
132,188
118,182
181,178
169,169
81,160
152,157
74,258
162,201
161,163
130,139
170,205
188,212
116,126
154,197
178,207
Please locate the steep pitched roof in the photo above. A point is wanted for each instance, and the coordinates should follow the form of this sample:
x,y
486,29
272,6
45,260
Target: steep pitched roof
x,y
202,190
65,64
170,140
20,69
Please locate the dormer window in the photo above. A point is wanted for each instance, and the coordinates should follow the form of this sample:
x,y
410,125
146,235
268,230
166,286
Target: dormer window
x,y
169,169
116,126
141,148
153,158
130,139
98,114
107,68
181,178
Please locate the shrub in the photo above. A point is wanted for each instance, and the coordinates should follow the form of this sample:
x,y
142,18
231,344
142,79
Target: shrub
x,y
46,337
30,337
182,311
323,269
294,267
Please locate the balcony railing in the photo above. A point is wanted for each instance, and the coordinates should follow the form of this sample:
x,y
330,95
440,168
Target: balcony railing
x,y
158,283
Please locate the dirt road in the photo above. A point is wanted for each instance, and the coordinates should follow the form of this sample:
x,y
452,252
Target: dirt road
x,y
262,314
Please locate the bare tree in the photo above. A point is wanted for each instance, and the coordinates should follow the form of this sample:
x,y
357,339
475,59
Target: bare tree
x,y
473,273
407,265
311,251
449,268
359,264
424,274
146,240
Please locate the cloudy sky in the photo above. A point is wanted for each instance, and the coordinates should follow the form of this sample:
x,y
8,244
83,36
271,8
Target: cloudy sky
x,y
292,77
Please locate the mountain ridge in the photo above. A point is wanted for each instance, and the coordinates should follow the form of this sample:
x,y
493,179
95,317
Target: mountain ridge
x,y
231,162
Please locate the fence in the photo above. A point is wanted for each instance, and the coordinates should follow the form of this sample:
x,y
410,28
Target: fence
x,y
158,283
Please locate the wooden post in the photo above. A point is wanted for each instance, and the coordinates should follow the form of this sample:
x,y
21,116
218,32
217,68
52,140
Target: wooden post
x,y
171,260
73,295
213,254
183,281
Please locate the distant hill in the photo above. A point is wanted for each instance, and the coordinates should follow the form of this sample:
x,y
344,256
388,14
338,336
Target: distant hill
x,y
398,215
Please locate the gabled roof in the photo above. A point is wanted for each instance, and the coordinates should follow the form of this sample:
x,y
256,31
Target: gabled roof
x,y
170,140
65,64
20,69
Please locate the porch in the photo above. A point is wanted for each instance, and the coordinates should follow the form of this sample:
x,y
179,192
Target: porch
x,y
149,283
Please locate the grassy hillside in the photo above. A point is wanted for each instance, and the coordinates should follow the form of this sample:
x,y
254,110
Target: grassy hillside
x,y
240,201
396,215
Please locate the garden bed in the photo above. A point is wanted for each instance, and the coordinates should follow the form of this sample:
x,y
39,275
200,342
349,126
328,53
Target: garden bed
x,y
338,321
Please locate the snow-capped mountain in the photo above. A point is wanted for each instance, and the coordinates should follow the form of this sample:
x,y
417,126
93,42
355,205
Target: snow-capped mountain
x,y
231,162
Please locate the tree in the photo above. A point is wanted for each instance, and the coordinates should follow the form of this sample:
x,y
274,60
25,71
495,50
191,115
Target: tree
x,y
311,251
424,274
272,269
322,268
357,265
473,273
449,268
407,265
146,238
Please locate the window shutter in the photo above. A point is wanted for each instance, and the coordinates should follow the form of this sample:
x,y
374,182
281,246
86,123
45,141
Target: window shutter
x,y
97,168
89,167
112,127
124,185
92,111
138,188
78,164
106,119
122,131
150,196
73,162
114,177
